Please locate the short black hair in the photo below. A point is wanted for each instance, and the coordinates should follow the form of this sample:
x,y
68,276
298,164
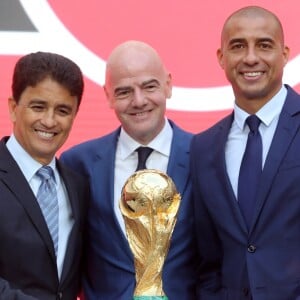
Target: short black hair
x,y
33,68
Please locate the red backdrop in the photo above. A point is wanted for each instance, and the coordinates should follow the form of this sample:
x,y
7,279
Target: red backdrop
x,y
185,33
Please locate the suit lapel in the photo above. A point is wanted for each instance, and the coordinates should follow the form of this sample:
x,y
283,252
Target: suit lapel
x,y
103,184
10,174
288,126
178,165
219,161
71,251
105,160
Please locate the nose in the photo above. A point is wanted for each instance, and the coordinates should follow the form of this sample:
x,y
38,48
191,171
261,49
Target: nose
x,y
251,56
139,99
48,119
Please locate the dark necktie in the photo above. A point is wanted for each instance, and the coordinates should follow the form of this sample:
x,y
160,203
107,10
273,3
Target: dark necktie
x,y
47,199
250,170
143,154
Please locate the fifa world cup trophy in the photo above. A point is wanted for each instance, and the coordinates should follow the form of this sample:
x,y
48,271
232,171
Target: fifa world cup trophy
x,y
149,205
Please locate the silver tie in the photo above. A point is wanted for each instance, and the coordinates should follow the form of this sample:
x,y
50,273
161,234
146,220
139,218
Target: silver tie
x,y
47,199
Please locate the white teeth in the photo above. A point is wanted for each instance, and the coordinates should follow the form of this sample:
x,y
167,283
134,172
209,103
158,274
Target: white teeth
x,y
45,134
252,74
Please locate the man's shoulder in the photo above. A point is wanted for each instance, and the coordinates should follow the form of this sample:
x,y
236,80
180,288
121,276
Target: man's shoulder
x,y
180,132
92,145
219,125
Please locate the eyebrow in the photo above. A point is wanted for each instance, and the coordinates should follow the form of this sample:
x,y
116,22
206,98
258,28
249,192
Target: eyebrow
x,y
144,83
236,40
121,89
153,81
68,107
243,40
40,101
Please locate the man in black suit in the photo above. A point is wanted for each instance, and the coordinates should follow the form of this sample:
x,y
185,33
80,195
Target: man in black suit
x,y
39,260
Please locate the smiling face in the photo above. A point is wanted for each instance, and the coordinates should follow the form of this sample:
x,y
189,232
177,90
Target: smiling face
x,y
137,87
42,119
253,56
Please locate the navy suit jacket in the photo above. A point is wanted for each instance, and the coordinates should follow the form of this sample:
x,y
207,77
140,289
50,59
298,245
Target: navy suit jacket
x,y
27,260
264,261
109,262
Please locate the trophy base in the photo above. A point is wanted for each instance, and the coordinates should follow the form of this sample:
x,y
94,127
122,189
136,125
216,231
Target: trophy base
x,y
150,298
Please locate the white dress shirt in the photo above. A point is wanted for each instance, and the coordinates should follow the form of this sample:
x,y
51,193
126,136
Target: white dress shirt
x,y
127,159
29,167
238,134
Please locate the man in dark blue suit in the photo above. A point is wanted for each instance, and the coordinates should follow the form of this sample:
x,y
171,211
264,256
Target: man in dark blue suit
x,y
137,86
250,253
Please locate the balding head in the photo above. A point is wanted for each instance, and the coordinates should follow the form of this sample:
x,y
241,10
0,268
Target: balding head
x,y
252,12
129,56
253,55
137,86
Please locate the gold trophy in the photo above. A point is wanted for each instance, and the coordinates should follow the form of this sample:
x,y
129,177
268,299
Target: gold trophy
x,y
149,205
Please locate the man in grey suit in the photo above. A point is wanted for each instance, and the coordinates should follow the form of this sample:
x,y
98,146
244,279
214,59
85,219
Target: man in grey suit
x,y
41,219
137,86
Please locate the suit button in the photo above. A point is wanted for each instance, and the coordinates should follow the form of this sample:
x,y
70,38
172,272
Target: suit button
x,y
251,248
245,291
59,295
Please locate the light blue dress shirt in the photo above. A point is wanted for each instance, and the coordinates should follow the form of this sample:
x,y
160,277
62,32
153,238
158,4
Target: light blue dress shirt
x,y
29,167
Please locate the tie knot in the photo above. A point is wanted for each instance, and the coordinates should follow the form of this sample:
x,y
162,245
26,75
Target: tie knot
x,y
143,154
253,122
45,173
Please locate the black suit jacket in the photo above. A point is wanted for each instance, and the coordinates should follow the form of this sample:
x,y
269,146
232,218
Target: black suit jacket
x,y
27,260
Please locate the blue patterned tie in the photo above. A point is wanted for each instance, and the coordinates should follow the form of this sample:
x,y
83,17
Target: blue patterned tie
x,y
47,199
250,170
143,154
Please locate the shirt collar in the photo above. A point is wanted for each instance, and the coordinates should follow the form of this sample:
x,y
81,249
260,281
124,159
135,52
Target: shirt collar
x,y
27,164
266,114
161,143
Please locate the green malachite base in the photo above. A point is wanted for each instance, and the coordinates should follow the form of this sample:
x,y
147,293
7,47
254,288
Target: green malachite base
x,y
150,298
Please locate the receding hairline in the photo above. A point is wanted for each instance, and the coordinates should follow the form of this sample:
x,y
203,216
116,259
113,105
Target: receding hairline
x,y
129,48
252,11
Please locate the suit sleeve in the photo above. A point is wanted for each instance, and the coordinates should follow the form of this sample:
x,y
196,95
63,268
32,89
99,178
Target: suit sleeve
x,y
208,244
8,293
